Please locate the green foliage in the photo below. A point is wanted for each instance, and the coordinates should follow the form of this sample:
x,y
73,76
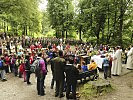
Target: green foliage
x,y
22,16
61,15
45,23
107,20
97,21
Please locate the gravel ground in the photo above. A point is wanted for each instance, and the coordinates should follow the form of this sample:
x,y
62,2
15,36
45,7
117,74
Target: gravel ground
x,y
16,89
123,86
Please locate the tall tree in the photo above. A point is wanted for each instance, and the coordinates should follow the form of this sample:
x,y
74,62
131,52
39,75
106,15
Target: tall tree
x,y
61,15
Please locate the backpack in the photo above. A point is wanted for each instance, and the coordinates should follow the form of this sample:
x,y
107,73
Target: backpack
x,y
37,69
106,62
1,64
27,65
33,66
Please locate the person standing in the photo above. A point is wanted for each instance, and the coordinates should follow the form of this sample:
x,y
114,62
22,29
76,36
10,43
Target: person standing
x,y
40,74
52,69
71,79
27,69
7,62
0,48
59,65
106,66
129,64
12,62
2,69
117,62
126,52
17,64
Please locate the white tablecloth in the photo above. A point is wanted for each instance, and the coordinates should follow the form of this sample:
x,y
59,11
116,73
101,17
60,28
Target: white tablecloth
x,y
98,60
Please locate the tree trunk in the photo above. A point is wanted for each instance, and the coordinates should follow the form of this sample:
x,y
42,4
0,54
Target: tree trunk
x,y
97,34
56,34
29,30
91,18
17,30
132,38
62,34
66,34
7,28
26,31
108,26
121,23
97,38
115,17
80,32
103,35
4,26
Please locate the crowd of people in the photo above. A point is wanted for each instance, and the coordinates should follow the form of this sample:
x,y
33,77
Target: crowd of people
x,y
24,55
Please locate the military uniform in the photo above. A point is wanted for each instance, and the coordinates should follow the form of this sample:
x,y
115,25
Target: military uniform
x,y
59,65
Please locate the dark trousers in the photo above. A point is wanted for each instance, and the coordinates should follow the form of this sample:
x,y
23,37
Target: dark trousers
x,y
7,69
28,76
109,72
20,74
52,81
105,68
59,87
40,85
94,72
11,67
15,71
71,86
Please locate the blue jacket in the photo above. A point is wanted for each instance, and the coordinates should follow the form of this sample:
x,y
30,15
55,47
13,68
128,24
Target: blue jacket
x,y
84,67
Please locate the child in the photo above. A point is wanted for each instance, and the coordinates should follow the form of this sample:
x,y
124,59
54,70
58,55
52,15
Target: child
x,y
2,69
84,67
92,65
106,66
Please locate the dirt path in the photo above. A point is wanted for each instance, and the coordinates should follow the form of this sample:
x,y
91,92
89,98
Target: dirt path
x,y
123,87
16,89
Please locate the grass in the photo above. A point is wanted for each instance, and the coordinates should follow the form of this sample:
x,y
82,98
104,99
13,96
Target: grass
x,y
88,92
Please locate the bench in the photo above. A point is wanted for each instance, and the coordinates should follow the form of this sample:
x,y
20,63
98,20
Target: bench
x,y
84,75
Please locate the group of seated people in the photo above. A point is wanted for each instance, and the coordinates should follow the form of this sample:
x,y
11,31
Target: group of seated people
x,y
87,70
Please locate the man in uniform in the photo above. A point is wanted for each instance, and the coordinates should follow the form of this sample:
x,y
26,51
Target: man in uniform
x,y
59,65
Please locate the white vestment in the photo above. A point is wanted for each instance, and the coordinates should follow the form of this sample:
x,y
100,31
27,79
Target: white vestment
x,y
12,49
60,47
117,63
129,64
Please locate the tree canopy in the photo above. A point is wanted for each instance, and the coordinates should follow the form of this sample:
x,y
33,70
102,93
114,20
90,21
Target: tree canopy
x,y
19,15
98,21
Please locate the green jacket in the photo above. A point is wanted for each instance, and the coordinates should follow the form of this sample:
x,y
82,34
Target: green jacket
x,y
59,68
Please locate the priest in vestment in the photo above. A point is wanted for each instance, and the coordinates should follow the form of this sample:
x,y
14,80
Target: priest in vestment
x,y
129,64
117,62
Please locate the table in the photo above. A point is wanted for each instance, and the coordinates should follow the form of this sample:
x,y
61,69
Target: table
x,y
98,60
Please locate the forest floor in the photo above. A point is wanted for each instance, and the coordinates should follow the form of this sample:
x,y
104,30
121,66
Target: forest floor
x,y
123,86
16,89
